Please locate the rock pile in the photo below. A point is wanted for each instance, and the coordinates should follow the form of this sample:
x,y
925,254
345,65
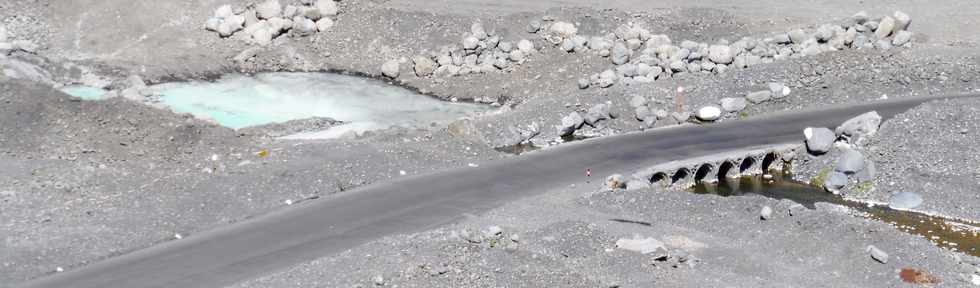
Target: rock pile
x,y
641,56
267,20
479,51
8,45
575,121
851,163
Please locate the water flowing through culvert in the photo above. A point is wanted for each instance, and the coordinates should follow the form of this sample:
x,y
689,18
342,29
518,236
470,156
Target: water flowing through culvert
x,y
947,233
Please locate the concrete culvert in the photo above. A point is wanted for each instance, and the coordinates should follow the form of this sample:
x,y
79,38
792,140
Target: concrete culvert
x,y
680,176
726,170
771,161
705,173
747,165
657,177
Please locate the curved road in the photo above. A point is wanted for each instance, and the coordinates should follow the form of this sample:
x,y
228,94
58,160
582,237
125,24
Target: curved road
x,y
313,229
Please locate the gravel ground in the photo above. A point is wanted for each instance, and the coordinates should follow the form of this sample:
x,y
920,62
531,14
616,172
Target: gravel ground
x,y
569,231
82,181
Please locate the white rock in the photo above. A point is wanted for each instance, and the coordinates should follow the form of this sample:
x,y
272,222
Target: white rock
x,y
733,104
223,12
391,69
268,9
766,213
877,254
641,245
525,46
471,43
327,7
709,113
303,26
885,27
902,37
289,12
902,21
720,54
478,31
324,24
563,29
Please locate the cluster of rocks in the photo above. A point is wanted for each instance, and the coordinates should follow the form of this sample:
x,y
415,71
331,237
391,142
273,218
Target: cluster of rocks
x,y
641,56
593,118
737,104
851,164
646,111
657,251
267,20
480,51
8,45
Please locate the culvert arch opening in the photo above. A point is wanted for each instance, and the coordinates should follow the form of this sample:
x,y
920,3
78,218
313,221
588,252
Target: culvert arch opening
x,y
747,164
658,177
680,175
770,161
704,173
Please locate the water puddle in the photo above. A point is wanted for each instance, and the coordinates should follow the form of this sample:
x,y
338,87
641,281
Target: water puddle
x,y
239,101
85,92
947,233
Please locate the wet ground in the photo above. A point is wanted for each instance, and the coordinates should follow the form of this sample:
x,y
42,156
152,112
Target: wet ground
x,y
952,234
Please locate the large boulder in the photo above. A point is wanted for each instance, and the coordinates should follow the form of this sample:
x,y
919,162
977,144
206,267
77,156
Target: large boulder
x,y
391,69
850,162
858,128
835,181
597,113
885,27
570,123
424,66
708,113
268,9
758,96
733,104
819,140
720,54
620,53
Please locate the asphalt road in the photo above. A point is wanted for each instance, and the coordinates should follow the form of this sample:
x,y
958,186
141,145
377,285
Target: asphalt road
x,y
313,229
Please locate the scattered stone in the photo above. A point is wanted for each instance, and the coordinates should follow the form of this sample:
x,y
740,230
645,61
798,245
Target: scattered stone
x,y
885,27
597,113
733,104
680,117
904,200
860,127
868,173
637,101
819,140
798,36
641,245
877,254
570,123
620,53
391,69
534,26
708,113
564,30
850,162
268,9
471,43
615,181
766,213
607,78
860,17
525,46
378,280
902,21
424,66
901,38
327,7
720,54
835,182
493,231
303,26
477,30
470,236
324,24
583,83
758,96
778,90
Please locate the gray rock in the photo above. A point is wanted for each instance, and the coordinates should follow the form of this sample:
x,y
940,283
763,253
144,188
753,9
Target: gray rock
x,y
327,7
733,104
477,30
868,173
677,66
303,26
834,182
599,43
615,181
567,45
861,127
642,113
860,17
883,44
658,40
324,24
607,78
533,27
641,245
570,123
627,70
24,45
516,56
708,113
391,69
661,114
620,53
798,36
493,231
904,200
901,38
766,213
263,36
268,9
720,54
212,24
782,38
778,90
597,113
470,43
583,83
525,46
877,254
758,96
680,117
850,162
424,66
902,21
505,47
819,140
564,30
885,27
638,101
637,184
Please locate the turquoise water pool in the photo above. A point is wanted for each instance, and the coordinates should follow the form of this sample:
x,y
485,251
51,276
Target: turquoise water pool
x,y
239,101
85,92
